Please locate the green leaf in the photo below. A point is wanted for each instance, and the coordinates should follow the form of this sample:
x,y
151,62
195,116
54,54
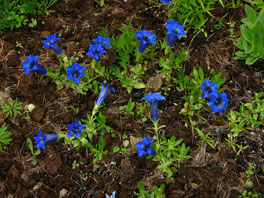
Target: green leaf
x,y
239,43
139,85
240,55
30,144
258,45
141,187
251,60
248,35
251,14
37,152
116,149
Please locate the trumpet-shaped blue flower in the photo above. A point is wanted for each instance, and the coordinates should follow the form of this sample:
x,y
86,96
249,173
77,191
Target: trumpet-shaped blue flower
x,y
153,99
102,40
41,139
175,30
145,37
51,42
95,51
218,102
75,72
75,128
103,93
208,88
31,64
145,147
111,196
168,2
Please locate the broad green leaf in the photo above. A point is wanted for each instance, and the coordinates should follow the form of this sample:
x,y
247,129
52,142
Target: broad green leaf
x,y
248,35
251,14
139,85
251,60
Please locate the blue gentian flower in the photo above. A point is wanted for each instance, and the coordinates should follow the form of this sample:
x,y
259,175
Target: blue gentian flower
x,y
208,88
175,30
145,147
168,2
145,37
75,72
153,99
75,128
43,138
111,196
31,64
95,51
51,42
104,92
218,102
102,40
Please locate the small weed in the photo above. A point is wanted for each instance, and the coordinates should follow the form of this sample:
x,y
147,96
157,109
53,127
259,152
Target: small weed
x,y
5,136
13,108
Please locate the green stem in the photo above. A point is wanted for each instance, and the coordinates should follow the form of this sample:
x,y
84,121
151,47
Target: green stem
x,y
156,128
95,110
93,67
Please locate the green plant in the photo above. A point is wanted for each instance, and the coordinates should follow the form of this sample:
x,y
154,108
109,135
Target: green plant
x,y
13,108
236,122
231,30
249,194
157,192
13,14
172,63
60,77
33,23
230,3
75,164
206,138
241,148
192,13
258,4
235,146
126,46
170,154
116,149
98,152
34,154
101,3
128,109
251,42
5,136
250,115
194,102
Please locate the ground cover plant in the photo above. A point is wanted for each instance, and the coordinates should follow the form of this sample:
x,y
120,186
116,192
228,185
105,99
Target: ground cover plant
x,y
157,98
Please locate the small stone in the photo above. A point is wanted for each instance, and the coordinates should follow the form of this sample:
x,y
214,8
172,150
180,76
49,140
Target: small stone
x,y
134,140
126,143
63,192
4,96
37,186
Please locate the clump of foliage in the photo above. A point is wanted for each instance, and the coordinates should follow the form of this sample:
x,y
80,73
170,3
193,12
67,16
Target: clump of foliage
x,y
157,192
13,14
13,108
251,42
5,136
